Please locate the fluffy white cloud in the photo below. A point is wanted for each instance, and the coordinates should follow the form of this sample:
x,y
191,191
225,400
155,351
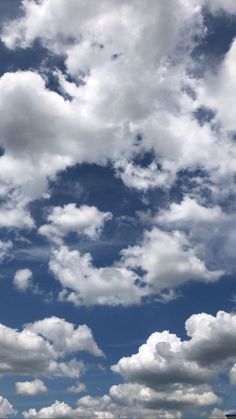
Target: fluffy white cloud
x,y
100,20
167,259
65,337
190,211
6,408
213,339
22,279
83,220
85,284
30,388
161,361
29,352
58,132
99,408
56,410
165,360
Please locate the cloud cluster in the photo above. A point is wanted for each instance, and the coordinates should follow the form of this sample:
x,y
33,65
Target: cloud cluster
x,y
162,262
58,132
40,348
167,376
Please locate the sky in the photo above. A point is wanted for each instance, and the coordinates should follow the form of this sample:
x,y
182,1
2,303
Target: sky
x,y
117,209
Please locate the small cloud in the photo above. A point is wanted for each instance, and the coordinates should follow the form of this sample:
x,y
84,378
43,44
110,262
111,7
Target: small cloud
x,y
30,388
23,279
77,388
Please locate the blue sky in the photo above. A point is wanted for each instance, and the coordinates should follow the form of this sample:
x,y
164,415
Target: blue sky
x,y
117,209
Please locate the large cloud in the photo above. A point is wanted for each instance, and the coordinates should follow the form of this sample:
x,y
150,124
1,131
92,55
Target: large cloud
x,y
37,350
162,262
164,359
167,377
106,115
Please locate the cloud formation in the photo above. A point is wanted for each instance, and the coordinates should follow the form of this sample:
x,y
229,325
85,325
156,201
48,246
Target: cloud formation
x,y
84,220
30,388
38,349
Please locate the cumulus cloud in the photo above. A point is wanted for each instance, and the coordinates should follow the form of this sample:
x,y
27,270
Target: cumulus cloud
x,y
56,410
6,408
167,259
167,377
85,284
164,359
97,407
161,262
22,279
65,337
39,353
109,53
84,220
30,388
190,211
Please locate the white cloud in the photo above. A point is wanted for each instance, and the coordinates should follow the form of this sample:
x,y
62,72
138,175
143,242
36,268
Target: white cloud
x,y
56,410
99,21
65,337
165,360
6,408
86,220
190,211
22,279
39,353
15,216
30,388
167,377
161,361
85,284
167,259
109,51
99,408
